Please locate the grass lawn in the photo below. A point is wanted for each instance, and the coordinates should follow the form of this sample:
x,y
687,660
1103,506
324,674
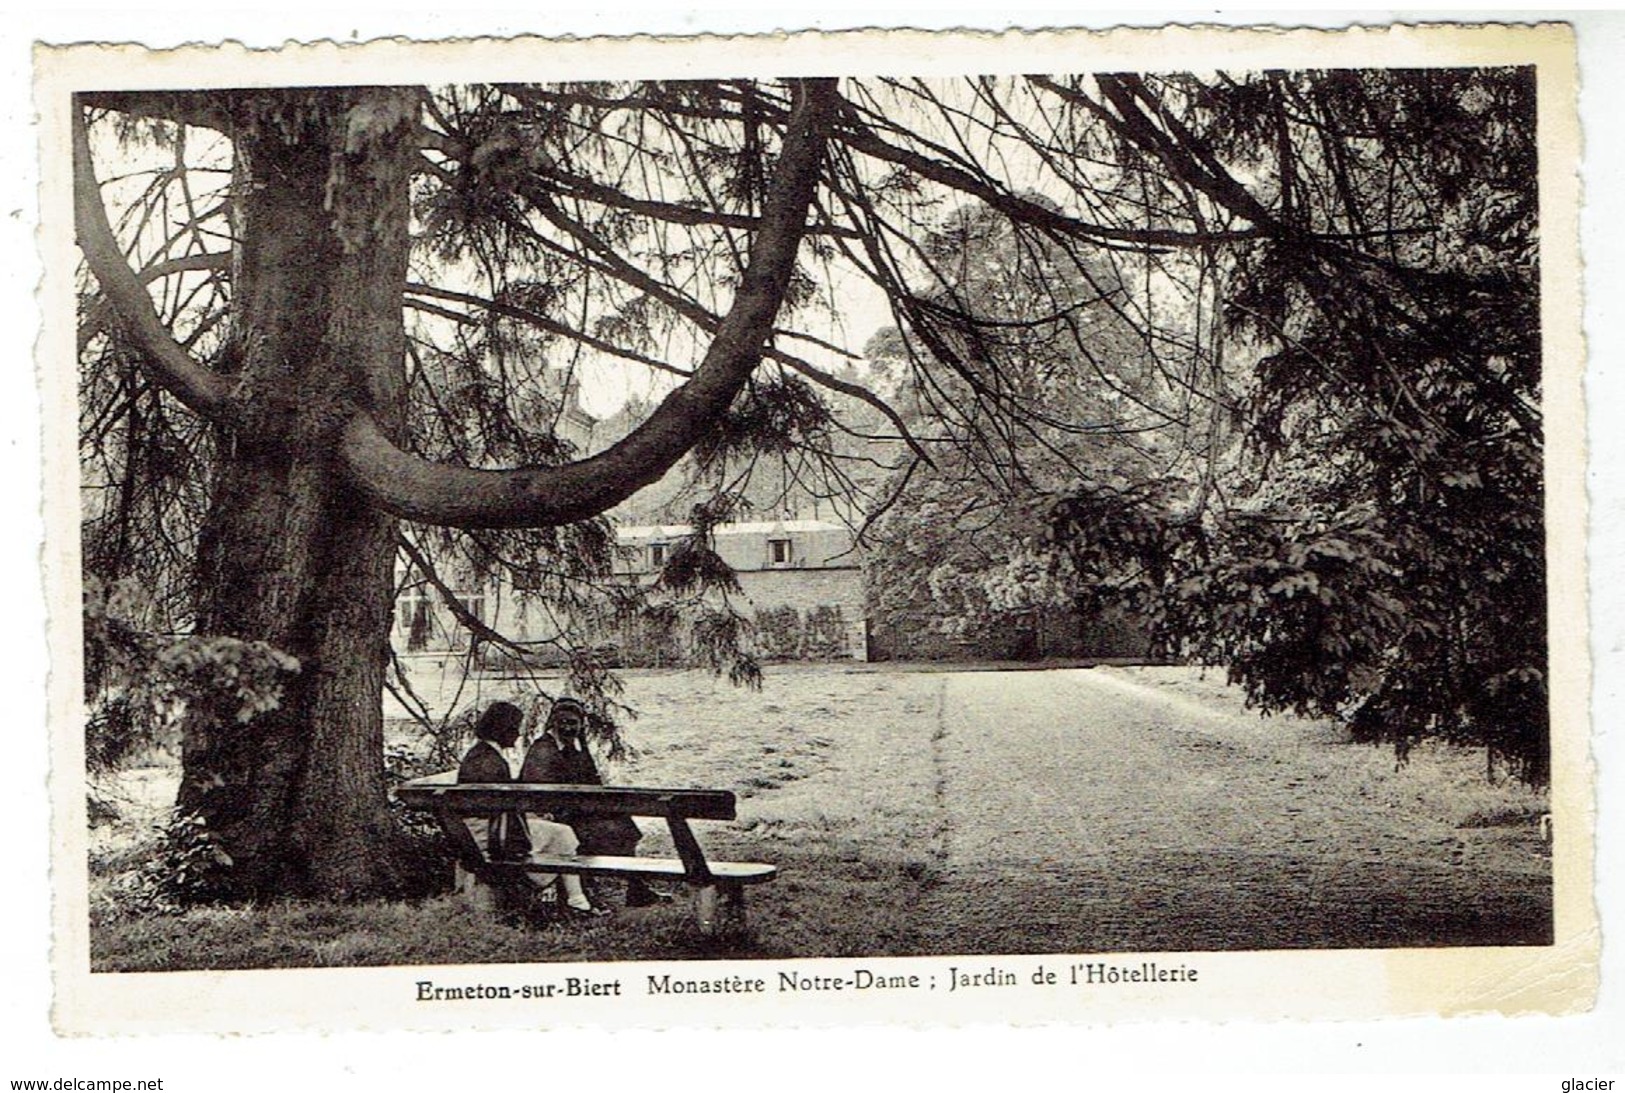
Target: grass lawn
x,y
840,775
837,789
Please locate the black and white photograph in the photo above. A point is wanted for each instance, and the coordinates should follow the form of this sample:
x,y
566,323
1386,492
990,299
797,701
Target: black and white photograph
x,y
790,529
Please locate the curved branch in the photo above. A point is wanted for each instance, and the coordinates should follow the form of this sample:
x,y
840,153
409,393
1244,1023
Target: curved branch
x,y
1180,151
171,367
96,311
579,186
459,610
416,488
203,109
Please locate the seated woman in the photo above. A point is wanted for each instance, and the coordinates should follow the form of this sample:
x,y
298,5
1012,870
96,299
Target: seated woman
x,y
514,836
560,756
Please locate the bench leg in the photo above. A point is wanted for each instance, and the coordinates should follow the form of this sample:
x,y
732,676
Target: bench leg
x,y
481,897
707,906
720,909
733,909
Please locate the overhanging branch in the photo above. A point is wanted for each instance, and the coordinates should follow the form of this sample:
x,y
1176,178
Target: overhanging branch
x,y
410,486
170,366
96,315
200,108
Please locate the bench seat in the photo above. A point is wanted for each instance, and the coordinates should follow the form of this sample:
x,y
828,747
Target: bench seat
x,y
606,865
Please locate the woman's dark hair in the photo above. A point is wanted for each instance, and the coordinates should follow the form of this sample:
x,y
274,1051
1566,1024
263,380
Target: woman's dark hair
x,y
501,720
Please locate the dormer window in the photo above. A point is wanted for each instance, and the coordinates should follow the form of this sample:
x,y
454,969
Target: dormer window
x,y
778,552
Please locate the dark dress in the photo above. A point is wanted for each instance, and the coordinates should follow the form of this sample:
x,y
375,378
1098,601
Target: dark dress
x,y
547,763
506,836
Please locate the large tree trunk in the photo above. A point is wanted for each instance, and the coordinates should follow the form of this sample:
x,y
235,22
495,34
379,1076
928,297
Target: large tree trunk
x,y
290,553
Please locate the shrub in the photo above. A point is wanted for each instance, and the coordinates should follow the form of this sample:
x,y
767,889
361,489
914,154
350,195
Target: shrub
x,y
824,634
779,632
187,866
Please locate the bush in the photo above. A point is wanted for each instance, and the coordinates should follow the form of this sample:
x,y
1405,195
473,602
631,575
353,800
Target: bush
x,y
187,866
784,633
824,634
779,632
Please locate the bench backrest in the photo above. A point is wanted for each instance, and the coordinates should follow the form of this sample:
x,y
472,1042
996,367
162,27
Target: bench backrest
x,y
476,799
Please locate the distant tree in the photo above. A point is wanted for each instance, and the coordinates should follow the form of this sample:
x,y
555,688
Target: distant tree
x,y
1061,384
1375,550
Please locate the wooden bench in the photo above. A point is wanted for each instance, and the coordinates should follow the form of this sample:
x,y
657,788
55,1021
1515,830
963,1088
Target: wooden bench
x,y
719,892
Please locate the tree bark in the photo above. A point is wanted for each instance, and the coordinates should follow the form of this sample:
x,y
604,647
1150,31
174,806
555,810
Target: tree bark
x,y
289,553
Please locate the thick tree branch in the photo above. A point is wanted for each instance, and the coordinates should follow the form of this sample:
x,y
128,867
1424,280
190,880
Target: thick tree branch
x,y
170,366
199,108
418,489
96,313
1185,156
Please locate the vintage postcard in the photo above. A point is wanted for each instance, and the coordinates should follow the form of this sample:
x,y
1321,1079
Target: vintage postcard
x,y
817,529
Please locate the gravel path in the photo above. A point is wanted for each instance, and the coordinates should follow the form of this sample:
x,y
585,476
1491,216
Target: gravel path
x,y
1087,812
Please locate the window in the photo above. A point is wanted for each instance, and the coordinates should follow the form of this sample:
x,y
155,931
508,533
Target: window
x,y
778,552
658,553
413,619
474,602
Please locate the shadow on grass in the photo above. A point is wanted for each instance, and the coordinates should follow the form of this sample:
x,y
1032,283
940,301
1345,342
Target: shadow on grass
x,y
817,908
